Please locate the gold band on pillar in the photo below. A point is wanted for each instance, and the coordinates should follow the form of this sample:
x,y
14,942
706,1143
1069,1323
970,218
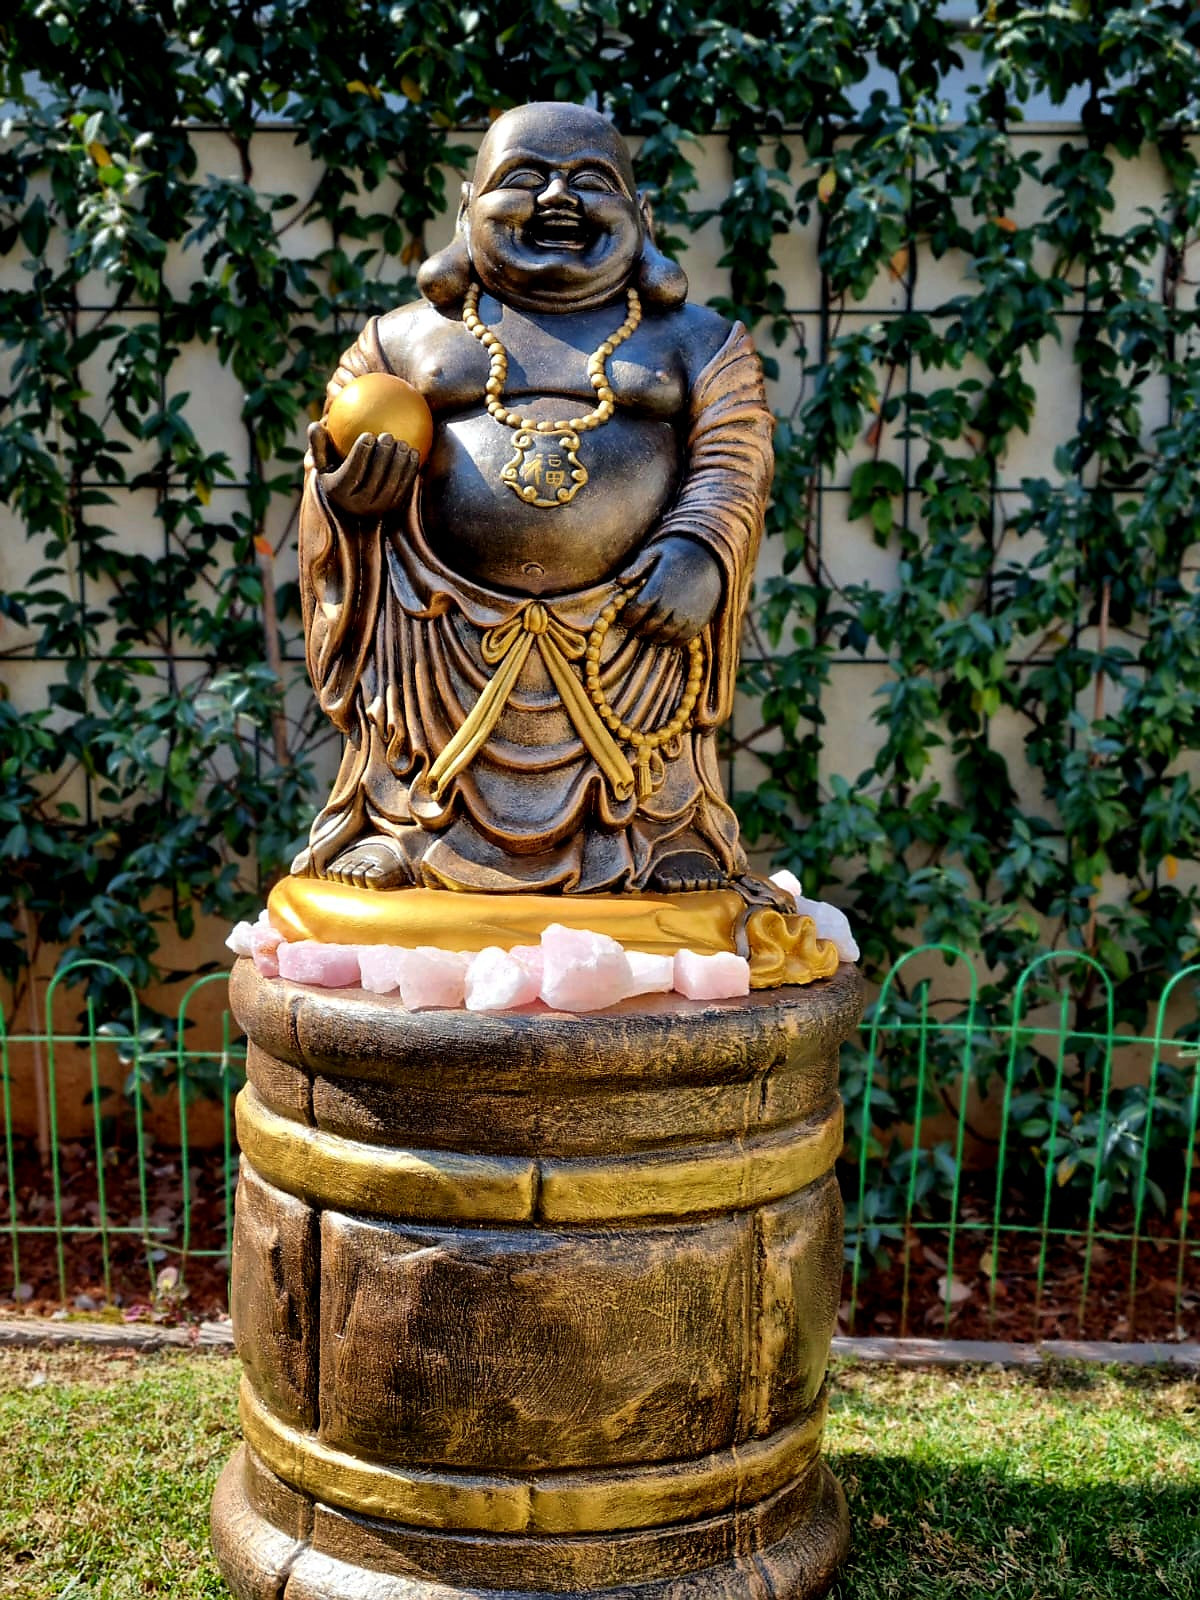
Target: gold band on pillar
x,y
445,1186
425,1185
581,1501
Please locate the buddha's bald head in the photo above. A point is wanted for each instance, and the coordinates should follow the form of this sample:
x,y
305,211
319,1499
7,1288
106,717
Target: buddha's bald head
x,y
555,130
553,217
553,220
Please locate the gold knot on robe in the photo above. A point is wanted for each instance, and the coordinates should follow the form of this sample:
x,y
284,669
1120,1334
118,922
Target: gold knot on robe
x,y
506,647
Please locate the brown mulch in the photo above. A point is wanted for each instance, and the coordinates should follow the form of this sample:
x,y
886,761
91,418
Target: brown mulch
x,y
171,1287
151,1279
1020,1314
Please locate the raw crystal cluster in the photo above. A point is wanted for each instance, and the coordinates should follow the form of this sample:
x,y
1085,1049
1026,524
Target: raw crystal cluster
x,y
570,970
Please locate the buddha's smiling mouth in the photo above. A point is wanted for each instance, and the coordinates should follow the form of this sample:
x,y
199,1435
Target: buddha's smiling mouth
x,y
559,230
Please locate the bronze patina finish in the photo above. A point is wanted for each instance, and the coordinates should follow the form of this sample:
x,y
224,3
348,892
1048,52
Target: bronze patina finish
x,y
534,1302
602,450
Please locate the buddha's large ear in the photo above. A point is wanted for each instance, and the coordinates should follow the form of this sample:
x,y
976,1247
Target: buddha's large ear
x,y
445,278
661,283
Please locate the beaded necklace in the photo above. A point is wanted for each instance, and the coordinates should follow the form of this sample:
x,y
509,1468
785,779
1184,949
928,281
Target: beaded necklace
x,y
546,470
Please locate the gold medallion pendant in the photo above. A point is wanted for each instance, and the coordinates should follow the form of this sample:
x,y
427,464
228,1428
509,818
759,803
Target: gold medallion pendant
x,y
545,470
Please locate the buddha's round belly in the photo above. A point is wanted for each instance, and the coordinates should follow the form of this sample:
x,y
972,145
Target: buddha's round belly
x,y
483,529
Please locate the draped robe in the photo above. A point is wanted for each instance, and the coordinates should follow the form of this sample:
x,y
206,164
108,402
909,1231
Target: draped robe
x,y
402,651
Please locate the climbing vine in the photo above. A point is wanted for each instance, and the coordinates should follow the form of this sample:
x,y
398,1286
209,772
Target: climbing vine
x,y
168,771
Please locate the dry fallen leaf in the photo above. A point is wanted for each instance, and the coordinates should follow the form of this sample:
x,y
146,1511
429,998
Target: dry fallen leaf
x,y
953,1290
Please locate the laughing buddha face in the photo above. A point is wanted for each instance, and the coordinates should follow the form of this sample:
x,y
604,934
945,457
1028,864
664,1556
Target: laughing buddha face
x,y
552,220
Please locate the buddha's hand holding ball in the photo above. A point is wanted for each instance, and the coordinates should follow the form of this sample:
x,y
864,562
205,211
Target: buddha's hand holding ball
x,y
371,444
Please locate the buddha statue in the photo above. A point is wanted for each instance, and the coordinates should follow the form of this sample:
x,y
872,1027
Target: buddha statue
x,y
530,643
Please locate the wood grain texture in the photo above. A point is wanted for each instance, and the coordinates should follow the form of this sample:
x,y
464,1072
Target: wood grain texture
x,y
573,1348
280,1084
787,1548
658,1041
255,1552
574,1281
797,1291
274,1296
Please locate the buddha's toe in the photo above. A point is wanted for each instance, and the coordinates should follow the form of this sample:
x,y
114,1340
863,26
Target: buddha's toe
x,y
688,872
371,864
758,891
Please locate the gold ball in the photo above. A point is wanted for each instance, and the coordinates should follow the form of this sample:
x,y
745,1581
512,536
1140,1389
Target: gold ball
x,y
379,402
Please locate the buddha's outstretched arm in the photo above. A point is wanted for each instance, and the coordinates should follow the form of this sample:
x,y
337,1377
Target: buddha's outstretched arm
x,y
722,499
341,567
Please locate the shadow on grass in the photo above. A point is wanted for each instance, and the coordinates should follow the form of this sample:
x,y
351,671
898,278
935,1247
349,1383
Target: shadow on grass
x,y
924,1531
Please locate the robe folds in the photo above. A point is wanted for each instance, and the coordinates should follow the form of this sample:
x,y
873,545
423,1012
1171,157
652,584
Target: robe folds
x,y
406,656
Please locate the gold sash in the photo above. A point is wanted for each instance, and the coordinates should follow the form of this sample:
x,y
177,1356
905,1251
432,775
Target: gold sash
x,y
507,647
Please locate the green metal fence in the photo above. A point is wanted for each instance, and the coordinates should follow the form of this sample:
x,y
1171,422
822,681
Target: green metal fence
x,y
1026,1157
148,1068
1076,1158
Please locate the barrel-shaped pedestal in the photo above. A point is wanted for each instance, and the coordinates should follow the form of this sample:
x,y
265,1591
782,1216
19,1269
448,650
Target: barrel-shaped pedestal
x,y
533,1302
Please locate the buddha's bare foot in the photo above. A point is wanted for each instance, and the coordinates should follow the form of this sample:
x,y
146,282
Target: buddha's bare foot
x,y
687,872
371,863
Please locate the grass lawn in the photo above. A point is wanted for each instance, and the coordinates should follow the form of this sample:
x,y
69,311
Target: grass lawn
x,y
1066,1484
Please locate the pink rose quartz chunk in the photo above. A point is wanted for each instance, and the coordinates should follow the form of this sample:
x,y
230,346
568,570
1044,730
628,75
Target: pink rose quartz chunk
x,y
719,977
582,971
326,966
264,947
379,967
430,977
650,974
529,955
498,981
